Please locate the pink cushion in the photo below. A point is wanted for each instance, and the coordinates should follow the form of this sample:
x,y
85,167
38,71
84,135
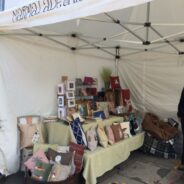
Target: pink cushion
x,y
110,135
39,155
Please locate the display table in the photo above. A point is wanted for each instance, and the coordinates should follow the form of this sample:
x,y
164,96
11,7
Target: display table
x,y
97,162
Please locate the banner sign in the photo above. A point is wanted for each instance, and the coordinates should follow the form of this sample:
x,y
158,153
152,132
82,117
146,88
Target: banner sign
x,y
43,12
40,7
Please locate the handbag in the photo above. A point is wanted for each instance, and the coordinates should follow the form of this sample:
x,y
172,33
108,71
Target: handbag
x,y
88,81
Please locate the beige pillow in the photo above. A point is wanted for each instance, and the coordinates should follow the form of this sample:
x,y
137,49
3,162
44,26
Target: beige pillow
x,y
30,134
102,137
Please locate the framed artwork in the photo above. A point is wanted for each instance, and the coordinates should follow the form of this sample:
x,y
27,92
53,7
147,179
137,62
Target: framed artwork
x,y
61,112
70,85
70,94
61,89
61,101
71,103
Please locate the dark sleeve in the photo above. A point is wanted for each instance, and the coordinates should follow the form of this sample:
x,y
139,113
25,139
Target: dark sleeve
x,y
180,112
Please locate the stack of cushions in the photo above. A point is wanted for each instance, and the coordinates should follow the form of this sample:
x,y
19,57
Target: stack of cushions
x,y
52,165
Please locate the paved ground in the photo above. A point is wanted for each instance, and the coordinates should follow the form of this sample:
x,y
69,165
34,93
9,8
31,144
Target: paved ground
x,y
138,169
144,169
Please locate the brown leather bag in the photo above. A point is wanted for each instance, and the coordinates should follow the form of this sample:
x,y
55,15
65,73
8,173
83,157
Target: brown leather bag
x,y
158,128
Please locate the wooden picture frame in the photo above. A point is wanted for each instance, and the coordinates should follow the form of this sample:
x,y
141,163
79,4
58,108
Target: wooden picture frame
x,y
71,103
70,95
60,101
61,89
70,85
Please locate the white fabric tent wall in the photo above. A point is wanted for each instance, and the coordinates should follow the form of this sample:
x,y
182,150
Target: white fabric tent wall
x,y
8,133
30,74
155,81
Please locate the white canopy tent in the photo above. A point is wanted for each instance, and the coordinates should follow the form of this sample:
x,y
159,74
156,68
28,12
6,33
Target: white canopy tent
x,y
143,45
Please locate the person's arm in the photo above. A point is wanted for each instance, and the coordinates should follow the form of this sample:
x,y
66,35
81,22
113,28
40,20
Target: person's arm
x,y
180,112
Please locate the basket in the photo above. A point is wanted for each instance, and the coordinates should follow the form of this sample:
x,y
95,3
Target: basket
x,y
75,179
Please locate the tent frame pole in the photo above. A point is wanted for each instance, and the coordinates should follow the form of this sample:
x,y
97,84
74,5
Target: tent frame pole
x,y
125,27
117,58
48,38
147,20
166,40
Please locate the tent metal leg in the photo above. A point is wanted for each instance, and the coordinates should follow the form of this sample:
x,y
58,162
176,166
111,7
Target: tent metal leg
x,y
147,19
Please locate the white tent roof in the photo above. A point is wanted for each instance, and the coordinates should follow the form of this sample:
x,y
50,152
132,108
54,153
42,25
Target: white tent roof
x,y
147,27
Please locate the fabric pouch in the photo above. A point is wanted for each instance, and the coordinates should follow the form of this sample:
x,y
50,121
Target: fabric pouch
x,y
103,140
78,158
126,126
64,158
118,132
92,138
110,134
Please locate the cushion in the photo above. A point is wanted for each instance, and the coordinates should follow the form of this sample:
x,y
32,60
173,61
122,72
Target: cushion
x,y
126,126
44,147
41,171
39,155
78,158
59,172
78,132
110,134
30,134
65,158
92,140
103,140
117,131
